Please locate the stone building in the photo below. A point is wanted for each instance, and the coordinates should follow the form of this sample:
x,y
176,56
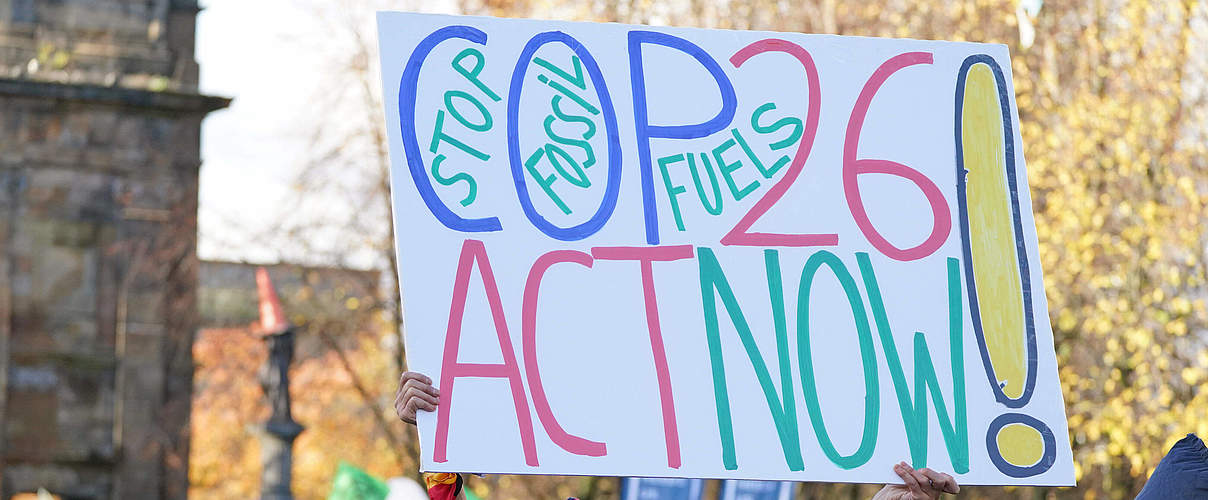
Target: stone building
x,y
100,122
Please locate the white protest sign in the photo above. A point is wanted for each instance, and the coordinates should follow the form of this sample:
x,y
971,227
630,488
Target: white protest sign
x,y
640,251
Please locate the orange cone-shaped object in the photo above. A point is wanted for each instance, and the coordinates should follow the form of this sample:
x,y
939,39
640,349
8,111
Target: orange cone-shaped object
x,y
272,316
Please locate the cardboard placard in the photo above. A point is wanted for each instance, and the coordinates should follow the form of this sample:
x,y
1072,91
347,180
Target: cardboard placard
x,y
646,251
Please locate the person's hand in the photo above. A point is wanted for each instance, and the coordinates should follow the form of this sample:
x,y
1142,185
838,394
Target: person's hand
x,y
921,484
415,392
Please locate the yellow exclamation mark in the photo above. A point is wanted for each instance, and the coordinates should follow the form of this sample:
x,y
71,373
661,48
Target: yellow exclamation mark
x,y
991,231
996,264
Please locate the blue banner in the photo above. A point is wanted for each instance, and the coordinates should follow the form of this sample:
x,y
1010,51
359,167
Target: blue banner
x,y
646,488
757,490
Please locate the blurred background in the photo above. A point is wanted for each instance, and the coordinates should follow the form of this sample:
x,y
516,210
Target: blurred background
x,y
130,356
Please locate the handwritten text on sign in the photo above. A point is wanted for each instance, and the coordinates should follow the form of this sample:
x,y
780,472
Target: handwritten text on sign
x,y
644,251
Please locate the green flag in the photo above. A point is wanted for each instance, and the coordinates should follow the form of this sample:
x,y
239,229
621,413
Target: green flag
x,y
352,483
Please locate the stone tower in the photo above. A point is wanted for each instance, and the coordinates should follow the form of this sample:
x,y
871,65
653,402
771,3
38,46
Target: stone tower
x,y
100,122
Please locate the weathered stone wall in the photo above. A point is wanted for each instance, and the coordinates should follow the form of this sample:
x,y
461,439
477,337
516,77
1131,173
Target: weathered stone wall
x,y
99,206
99,155
127,43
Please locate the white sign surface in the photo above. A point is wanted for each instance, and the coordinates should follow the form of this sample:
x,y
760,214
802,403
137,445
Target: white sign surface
x,y
639,251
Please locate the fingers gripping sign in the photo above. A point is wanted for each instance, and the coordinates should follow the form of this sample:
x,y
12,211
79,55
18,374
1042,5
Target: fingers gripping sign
x,y
939,481
918,484
415,392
